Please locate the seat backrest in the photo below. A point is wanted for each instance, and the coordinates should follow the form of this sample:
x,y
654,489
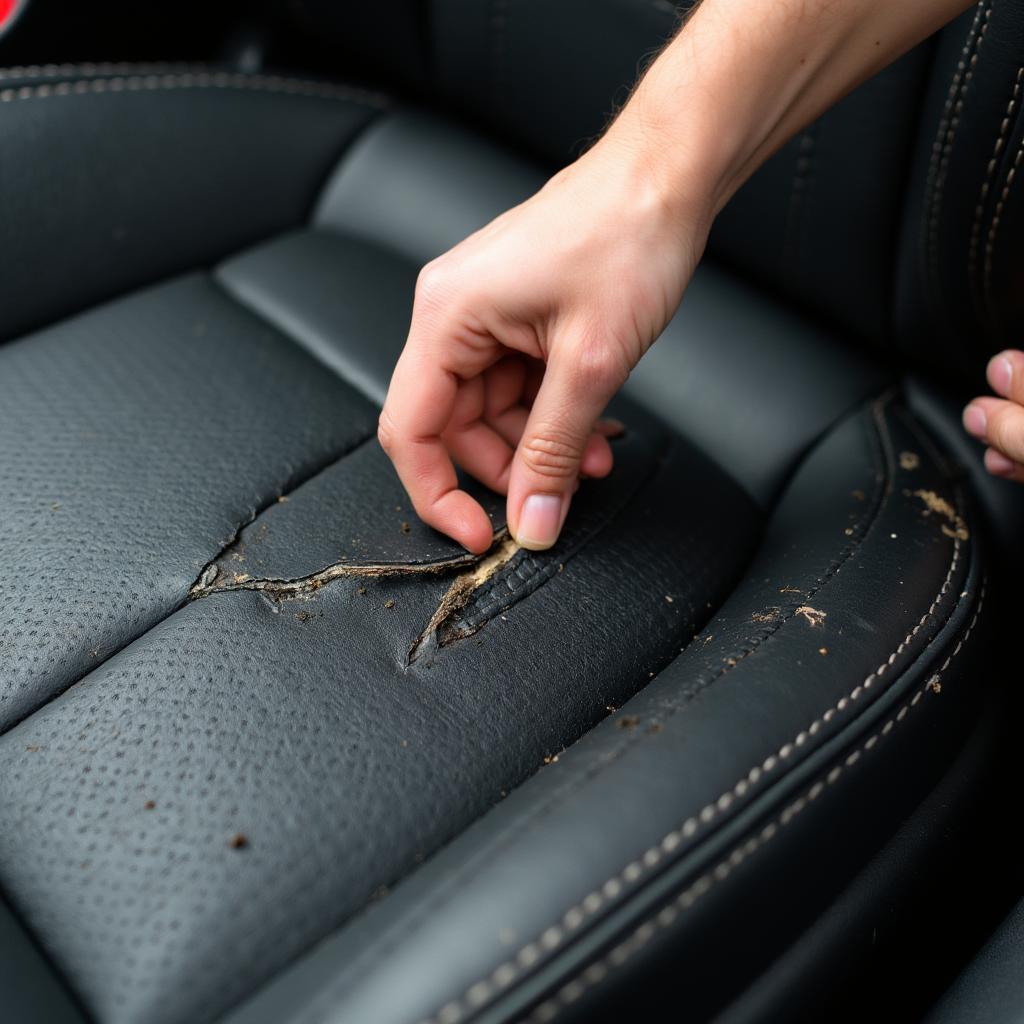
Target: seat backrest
x,y
894,216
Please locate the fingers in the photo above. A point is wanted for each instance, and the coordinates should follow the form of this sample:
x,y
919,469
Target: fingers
x,y
999,465
1006,375
559,441
418,408
1000,424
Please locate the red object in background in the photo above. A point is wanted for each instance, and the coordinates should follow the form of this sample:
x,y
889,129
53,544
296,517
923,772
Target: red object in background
x,y
6,10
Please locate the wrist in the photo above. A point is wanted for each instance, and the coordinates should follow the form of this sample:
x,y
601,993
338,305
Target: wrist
x,y
679,178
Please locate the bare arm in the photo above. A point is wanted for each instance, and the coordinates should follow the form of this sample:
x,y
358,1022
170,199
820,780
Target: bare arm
x,y
523,332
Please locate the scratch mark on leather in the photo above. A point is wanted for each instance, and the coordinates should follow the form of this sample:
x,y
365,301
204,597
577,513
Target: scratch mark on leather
x,y
214,581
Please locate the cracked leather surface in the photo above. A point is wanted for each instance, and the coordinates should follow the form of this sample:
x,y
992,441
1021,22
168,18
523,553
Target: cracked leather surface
x,y
352,512
300,725
136,440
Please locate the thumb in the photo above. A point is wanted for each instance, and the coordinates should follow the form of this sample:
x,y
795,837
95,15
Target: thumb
x,y
559,431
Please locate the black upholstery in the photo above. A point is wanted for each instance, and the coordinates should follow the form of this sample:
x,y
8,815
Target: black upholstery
x,y
991,990
76,231
269,749
959,291
737,776
172,417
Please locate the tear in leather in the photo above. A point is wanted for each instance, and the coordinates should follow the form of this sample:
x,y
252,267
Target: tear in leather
x,y
352,521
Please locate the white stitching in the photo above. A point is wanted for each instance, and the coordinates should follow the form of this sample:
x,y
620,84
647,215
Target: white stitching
x,y
979,210
90,68
942,147
990,242
199,79
665,917
503,975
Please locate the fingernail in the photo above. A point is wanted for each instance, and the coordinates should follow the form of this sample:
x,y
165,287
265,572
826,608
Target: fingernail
x,y
610,427
998,464
1001,375
975,421
539,521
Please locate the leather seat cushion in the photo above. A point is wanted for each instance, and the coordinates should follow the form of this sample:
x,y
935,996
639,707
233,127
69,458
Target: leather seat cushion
x,y
216,750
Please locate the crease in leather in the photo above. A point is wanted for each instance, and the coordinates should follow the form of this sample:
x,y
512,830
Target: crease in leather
x,y
398,931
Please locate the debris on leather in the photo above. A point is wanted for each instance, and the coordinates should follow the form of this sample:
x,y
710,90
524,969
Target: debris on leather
x,y
955,526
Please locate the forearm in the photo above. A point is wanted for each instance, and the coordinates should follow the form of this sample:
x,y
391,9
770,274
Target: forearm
x,y
743,76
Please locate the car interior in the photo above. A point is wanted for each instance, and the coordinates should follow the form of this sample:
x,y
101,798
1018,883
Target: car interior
x,y
740,747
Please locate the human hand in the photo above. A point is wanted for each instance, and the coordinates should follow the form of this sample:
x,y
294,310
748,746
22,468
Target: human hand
x,y
999,422
523,332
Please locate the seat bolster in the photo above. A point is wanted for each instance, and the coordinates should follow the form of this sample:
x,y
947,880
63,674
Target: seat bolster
x,y
710,819
185,165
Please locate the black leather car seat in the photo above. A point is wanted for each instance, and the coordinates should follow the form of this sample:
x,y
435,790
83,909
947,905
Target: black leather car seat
x,y
272,749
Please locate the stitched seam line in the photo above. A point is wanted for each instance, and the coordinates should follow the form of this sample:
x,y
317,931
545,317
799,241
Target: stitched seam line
x,y
945,138
990,241
551,938
195,80
667,916
91,68
990,170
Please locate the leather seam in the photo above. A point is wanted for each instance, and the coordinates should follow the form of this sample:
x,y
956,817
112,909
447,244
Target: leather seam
x,y
18,72
552,937
195,79
596,972
945,139
990,170
993,230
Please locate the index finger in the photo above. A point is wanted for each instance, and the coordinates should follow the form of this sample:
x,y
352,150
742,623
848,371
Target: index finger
x,y
417,409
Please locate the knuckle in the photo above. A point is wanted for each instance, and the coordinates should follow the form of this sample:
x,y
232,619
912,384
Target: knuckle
x,y
599,365
386,432
433,282
551,455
